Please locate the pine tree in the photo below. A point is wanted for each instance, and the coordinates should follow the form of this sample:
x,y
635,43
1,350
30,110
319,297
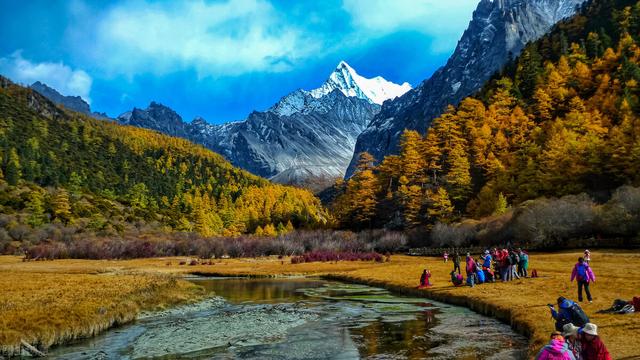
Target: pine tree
x,y
413,163
13,170
501,205
289,226
61,207
35,208
458,178
439,205
270,230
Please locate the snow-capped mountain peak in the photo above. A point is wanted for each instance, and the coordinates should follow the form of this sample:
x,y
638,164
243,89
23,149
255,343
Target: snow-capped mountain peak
x,y
350,83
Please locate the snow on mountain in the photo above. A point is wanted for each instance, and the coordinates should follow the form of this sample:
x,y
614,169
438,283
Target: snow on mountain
x,y
307,136
347,80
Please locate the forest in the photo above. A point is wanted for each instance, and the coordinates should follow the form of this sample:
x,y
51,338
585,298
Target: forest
x,y
63,173
560,119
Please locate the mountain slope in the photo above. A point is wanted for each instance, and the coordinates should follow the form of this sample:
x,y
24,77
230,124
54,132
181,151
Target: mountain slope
x,y
497,30
117,175
563,119
75,103
306,135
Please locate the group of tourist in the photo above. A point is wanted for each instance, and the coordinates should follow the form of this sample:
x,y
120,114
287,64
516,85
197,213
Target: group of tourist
x,y
492,265
575,343
575,337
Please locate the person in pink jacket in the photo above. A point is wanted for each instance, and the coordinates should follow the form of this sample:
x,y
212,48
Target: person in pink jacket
x,y
583,273
557,349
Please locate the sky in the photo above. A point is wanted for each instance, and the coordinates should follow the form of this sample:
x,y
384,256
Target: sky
x,y
220,59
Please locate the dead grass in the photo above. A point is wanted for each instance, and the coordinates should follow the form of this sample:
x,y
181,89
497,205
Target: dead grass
x,y
521,303
53,306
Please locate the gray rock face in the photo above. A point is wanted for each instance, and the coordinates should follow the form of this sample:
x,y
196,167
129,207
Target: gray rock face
x,y
498,28
74,103
305,135
157,117
317,141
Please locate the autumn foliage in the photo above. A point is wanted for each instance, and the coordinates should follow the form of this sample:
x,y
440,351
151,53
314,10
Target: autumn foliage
x,y
60,167
560,119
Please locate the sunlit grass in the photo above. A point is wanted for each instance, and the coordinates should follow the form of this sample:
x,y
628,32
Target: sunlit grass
x,y
49,301
52,307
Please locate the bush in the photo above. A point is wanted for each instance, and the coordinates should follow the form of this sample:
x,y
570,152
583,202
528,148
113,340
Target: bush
x,y
548,222
453,235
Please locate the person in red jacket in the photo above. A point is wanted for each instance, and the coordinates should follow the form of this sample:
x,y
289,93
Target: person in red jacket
x,y
592,346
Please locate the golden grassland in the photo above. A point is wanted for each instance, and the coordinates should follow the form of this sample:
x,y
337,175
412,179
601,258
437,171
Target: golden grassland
x,y
46,304
522,303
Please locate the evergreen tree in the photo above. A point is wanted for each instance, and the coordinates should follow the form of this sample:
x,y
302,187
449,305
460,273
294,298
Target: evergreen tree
x,y
35,208
61,207
13,170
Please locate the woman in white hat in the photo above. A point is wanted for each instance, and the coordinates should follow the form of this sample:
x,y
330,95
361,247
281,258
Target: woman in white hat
x,y
572,338
592,346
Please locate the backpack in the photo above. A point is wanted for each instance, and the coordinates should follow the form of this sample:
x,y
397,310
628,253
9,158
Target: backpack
x,y
481,277
582,272
578,316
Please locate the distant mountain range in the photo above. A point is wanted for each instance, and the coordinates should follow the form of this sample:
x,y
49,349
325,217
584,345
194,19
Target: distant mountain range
x,y
499,29
316,135
307,136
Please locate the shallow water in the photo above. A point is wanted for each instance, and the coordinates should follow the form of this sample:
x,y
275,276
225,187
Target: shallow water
x,y
304,319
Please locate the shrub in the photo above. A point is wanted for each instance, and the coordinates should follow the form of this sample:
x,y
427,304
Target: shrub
x,y
550,221
453,235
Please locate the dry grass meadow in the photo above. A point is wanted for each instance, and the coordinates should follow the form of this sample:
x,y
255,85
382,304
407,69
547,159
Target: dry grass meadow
x,y
50,302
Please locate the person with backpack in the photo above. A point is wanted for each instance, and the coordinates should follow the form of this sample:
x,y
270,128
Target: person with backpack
x,y
486,260
583,273
592,346
557,349
569,312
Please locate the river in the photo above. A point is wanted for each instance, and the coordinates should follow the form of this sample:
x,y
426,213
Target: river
x,y
303,318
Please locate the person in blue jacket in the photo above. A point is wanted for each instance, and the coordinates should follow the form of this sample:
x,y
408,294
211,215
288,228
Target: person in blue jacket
x,y
487,260
563,315
480,276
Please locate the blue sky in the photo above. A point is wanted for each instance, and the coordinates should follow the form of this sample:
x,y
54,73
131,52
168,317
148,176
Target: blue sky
x,y
220,59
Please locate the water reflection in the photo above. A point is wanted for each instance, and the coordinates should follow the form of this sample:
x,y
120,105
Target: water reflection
x,y
304,319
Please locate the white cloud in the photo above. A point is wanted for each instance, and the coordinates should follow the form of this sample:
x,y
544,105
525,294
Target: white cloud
x,y
59,76
223,38
443,20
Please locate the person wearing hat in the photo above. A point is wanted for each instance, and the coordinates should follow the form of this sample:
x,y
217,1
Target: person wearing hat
x,y
592,346
572,338
556,349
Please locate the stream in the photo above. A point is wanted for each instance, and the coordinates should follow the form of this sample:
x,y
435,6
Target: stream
x,y
302,318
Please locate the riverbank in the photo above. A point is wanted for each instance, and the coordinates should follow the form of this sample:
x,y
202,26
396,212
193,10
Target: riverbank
x,y
521,303
49,303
